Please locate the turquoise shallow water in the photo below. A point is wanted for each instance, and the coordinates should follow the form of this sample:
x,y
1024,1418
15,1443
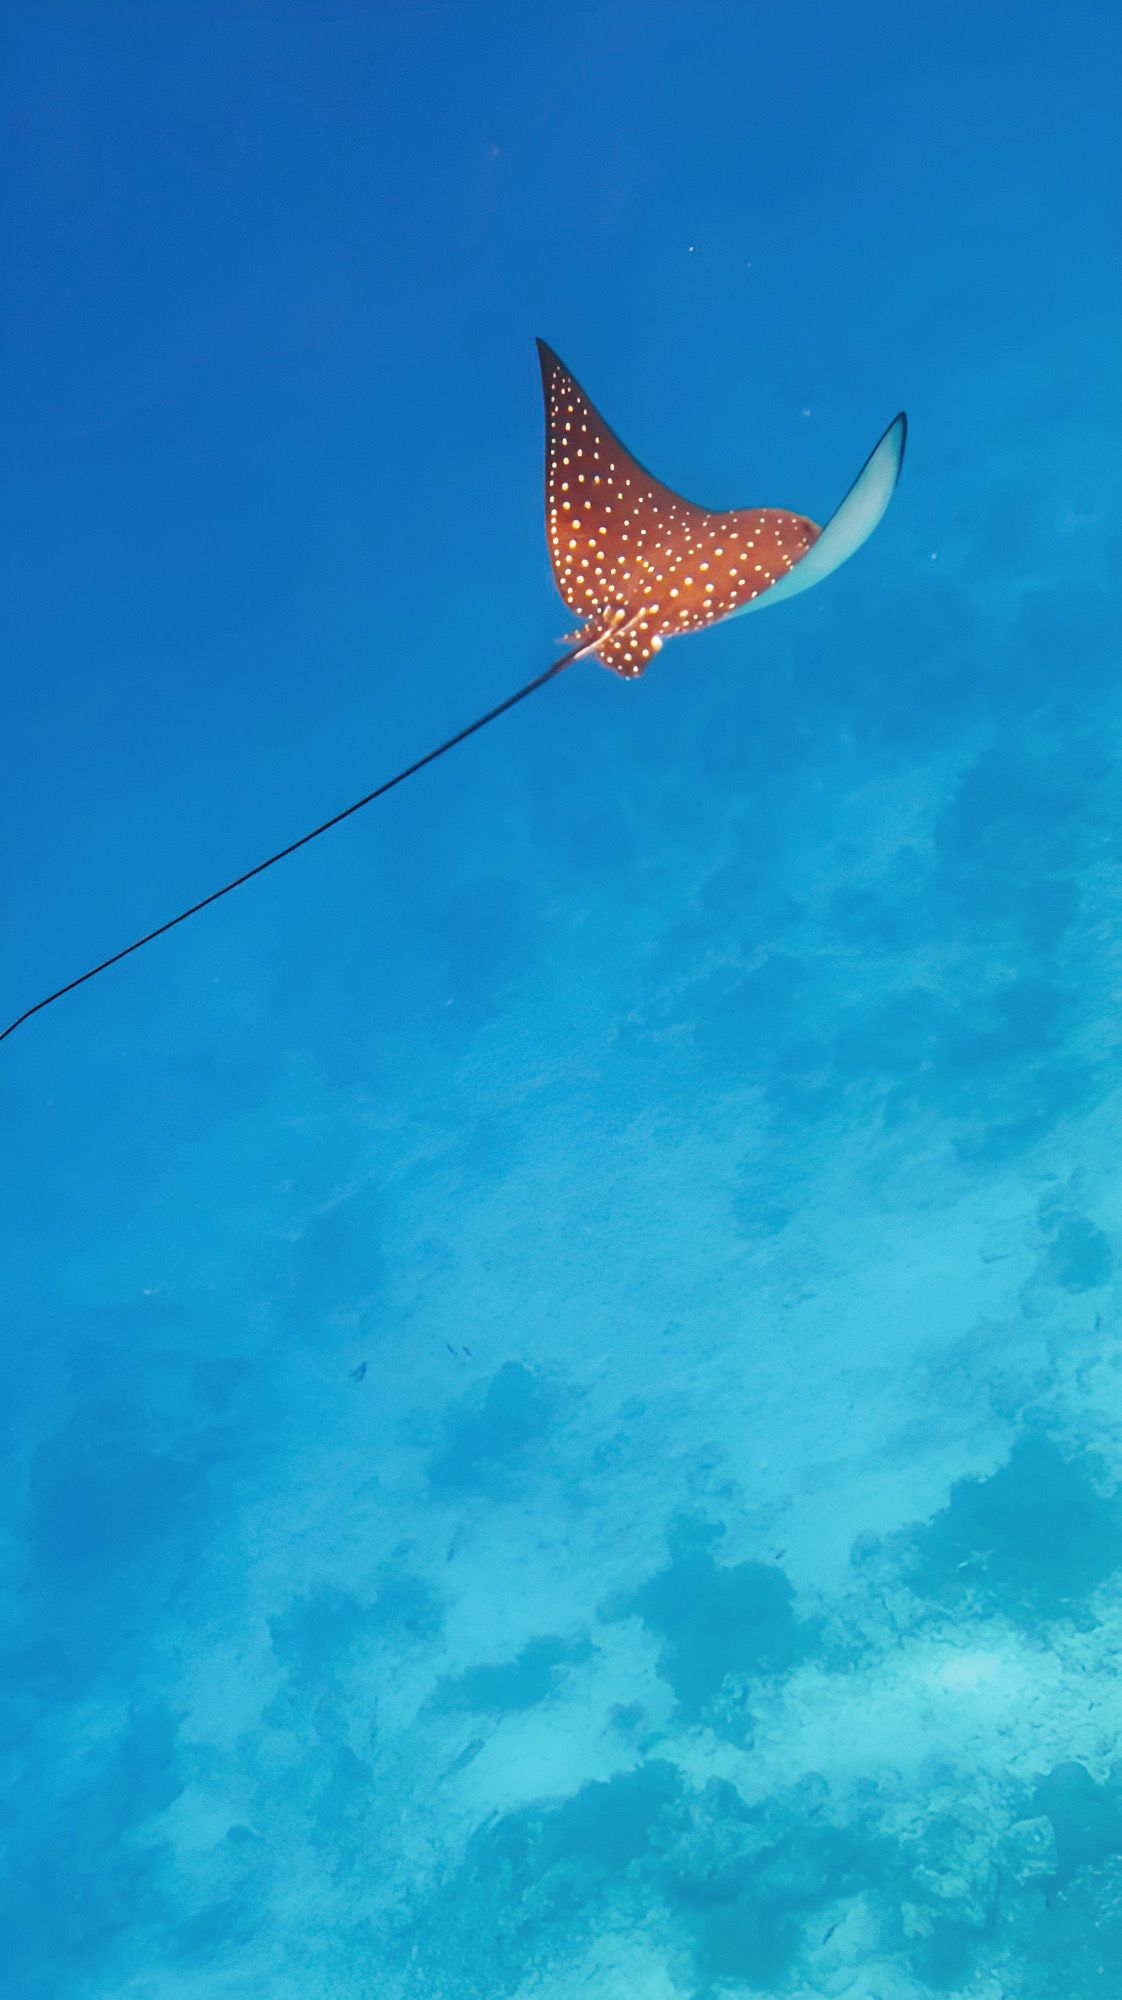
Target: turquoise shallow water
x,y
561,1377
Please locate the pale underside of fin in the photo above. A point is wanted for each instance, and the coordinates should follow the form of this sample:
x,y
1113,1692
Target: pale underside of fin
x,y
852,523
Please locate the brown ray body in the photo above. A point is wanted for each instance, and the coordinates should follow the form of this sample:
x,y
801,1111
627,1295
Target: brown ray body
x,y
632,557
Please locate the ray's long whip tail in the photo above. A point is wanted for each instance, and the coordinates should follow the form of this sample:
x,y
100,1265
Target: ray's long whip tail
x,y
294,846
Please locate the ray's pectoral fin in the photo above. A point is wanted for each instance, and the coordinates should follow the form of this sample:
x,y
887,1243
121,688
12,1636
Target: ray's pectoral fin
x,y
862,510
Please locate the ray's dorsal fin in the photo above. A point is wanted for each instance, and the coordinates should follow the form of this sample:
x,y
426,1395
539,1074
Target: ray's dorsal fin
x,y
643,564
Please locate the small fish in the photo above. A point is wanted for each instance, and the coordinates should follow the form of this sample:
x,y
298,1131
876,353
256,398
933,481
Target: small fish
x,y
359,1374
467,1756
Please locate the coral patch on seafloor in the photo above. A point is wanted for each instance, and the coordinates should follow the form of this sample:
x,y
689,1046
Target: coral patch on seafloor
x,y
1031,1541
714,1620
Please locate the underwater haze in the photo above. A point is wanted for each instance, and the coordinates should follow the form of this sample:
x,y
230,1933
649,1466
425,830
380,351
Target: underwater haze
x,y
561,1373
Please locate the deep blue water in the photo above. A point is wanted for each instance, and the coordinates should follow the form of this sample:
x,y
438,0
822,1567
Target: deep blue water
x,y
561,1364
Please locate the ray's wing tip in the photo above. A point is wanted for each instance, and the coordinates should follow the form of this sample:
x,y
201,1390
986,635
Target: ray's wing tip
x,y
888,452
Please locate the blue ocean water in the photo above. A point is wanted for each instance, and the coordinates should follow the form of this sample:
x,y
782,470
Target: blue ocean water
x,y
561,1364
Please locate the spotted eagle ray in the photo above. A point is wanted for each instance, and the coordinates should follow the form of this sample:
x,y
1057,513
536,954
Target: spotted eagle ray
x,y
642,564
639,564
